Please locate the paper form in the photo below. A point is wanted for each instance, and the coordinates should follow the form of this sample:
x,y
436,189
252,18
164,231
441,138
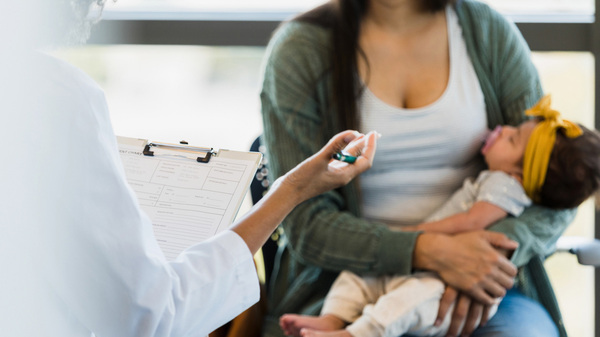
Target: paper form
x,y
188,202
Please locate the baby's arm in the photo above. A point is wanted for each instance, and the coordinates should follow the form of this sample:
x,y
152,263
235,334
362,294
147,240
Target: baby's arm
x,y
494,194
480,216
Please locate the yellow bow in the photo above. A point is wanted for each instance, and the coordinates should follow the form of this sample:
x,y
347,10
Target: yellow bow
x,y
541,143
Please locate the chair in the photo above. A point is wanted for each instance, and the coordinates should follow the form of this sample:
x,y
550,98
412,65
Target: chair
x,y
586,250
258,188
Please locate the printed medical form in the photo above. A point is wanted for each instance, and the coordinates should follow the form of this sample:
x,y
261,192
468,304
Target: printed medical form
x,y
187,201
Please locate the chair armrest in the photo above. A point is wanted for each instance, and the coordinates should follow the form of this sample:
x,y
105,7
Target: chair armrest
x,y
587,250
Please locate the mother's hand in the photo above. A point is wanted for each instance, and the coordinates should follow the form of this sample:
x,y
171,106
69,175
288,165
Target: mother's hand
x,y
468,262
467,315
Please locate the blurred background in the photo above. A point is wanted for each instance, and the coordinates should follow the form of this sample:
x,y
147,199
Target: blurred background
x,y
191,70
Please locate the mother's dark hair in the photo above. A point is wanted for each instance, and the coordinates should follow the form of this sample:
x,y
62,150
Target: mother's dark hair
x,y
344,17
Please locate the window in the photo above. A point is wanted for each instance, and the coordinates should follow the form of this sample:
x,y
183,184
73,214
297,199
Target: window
x,y
208,96
544,7
194,10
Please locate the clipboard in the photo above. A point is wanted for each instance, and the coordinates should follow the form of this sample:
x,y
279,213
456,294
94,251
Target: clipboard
x,y
190,193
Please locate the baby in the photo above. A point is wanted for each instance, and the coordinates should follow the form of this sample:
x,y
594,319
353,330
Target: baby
x,y
548,160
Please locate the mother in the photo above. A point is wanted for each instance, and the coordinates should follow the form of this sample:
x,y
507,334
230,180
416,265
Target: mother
x,y
431,76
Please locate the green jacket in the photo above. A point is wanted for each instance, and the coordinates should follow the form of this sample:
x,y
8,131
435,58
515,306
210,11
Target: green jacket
x,y
326,234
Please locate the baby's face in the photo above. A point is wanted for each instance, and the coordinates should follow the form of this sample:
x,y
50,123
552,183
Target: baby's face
x,y
505,148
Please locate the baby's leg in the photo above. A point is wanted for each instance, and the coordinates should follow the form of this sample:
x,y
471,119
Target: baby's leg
x,y
409,307
410,304
343,304
350,293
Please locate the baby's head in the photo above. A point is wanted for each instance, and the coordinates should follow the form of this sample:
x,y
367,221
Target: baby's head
x,y
573,173
560,175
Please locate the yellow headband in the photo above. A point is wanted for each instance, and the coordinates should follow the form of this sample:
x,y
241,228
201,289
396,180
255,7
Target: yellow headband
x,y
541,143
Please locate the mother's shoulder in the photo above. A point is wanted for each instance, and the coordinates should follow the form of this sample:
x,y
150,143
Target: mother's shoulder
x,y
297,34
479,12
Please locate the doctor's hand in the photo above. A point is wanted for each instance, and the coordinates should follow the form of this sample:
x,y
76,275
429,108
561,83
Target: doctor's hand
x,y
316,175
320,173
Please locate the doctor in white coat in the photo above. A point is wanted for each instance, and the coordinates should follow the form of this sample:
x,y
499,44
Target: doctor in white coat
x,y
77,255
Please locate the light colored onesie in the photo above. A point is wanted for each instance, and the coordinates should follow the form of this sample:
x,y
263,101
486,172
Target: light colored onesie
x,y
391,306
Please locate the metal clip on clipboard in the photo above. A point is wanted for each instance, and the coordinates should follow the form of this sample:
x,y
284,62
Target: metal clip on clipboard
x,y
208,152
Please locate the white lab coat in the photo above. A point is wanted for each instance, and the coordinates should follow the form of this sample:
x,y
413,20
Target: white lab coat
x,y
77,255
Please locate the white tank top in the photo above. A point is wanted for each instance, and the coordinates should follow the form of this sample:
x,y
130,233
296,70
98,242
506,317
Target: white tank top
x,y
425,153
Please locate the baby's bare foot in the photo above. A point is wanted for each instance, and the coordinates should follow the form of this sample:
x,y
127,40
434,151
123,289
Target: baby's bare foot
x,y
291,324
316,333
